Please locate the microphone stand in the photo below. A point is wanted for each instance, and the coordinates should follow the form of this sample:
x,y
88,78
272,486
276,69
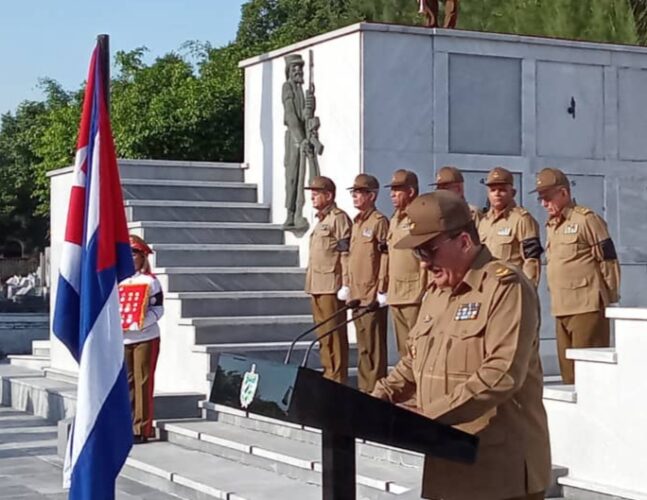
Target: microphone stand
x,y
352,304
372,307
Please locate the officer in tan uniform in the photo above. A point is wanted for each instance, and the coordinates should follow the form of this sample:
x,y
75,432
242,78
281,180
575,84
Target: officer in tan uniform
x,y
407,281
368,266
510,232
473,359
451,179
327,275
583,269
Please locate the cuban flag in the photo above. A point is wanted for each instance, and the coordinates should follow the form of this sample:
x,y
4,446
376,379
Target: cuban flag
x,y
95,257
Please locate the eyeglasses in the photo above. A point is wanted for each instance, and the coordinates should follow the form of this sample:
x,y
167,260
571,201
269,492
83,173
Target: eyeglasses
x,y
547,195
136,252
428,253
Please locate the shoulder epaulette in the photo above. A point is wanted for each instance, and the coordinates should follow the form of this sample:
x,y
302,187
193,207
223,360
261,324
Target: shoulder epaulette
x,y
379,215
521,211
504,274
582,210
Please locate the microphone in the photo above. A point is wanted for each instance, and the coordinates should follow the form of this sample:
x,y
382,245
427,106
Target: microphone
x,y
372,307
351,304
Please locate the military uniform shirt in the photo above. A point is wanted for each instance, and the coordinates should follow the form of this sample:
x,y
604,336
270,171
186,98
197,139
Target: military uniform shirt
x,y
513,236
474,363
329,244
583,270
368,259
407,281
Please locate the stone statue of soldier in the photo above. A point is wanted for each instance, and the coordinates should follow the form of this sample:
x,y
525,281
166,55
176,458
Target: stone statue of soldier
x,y
296,143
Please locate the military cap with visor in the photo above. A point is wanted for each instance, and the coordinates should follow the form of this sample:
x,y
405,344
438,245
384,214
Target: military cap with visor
x,y
365,182
321,183
499,175
448,175
403,178
433,214
549,178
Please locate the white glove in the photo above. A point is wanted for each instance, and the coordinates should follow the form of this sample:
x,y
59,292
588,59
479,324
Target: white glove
x,y
381,299
343,293
134,327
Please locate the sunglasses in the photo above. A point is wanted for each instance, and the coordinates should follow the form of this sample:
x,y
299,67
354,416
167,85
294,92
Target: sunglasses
x,y
136,252
427,253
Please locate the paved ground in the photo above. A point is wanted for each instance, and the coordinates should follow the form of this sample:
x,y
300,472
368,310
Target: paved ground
x,y
30,469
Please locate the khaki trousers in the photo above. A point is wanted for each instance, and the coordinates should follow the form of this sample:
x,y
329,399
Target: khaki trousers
x,y
141,360
404,317
371,349
580,330
451,13
333,349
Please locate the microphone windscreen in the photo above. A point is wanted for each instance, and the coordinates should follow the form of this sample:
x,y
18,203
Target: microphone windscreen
x,y
353,304
373,306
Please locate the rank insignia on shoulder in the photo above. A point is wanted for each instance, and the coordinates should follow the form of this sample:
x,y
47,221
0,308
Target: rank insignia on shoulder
x,y
406,226
504,274
367,232
467,311
571,229
426,319
504,231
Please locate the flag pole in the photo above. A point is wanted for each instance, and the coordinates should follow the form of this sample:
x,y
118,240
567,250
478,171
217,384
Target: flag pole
x,y
104,58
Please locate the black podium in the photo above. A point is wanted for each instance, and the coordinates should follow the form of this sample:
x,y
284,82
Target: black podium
x,y
301,395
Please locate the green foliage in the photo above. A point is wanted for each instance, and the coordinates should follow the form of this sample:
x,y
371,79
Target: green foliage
x,y
188,104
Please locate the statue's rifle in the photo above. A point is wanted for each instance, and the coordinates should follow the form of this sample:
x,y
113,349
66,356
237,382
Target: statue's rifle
x,y
312,122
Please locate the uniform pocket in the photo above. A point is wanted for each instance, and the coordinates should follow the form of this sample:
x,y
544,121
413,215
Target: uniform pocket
x,y
566,247
407,285
466,347
503,247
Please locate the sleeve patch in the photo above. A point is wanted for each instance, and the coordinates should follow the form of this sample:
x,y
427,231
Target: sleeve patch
x,y
608,250
532,248
156,300
383,247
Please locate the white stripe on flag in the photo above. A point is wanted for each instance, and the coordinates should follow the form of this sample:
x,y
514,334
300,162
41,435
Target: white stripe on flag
x,y
94,201
101,362
70,266
79,159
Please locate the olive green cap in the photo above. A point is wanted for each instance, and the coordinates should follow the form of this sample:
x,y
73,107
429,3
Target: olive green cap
x,y
499,175
365,182
448,175
549,178
433,214
403,178
321,183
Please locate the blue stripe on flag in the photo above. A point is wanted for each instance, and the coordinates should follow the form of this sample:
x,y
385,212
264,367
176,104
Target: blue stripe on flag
x,y
106,448
66,320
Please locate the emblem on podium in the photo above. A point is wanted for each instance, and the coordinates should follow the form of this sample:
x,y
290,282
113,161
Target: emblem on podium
x,y
248,387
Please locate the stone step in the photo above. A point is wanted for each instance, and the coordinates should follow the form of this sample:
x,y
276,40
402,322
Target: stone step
x,y
31,361
205,211
167,255
375,453
136,189
202,279
40,347
201,304
560,392
195,475
181,170
208,232
270,351
224,329
297,460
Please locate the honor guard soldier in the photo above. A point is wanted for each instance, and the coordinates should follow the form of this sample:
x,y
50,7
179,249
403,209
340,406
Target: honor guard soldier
x,y
327,275
583,269
473,359
407,281
451,179
368,265
509,231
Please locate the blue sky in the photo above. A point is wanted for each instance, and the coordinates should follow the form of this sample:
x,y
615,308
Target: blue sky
x,y
54,38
